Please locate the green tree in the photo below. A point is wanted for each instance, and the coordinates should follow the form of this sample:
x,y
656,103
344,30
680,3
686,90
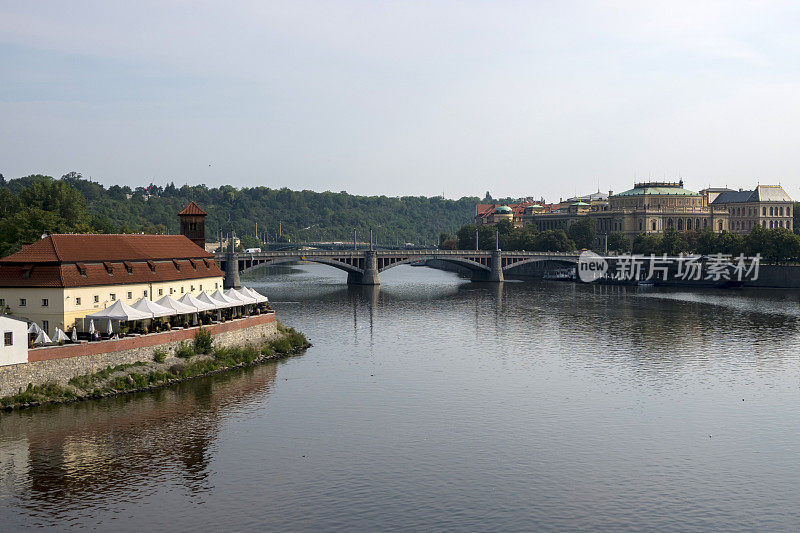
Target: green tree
x,y
617,242
553,241
583,232
647,244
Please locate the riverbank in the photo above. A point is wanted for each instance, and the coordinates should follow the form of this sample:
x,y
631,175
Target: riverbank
x,y
188,361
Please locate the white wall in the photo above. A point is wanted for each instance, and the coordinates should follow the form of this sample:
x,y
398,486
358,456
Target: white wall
x,y
17,352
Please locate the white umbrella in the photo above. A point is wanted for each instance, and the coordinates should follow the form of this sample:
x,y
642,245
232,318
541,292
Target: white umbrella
x,y
180,308
34,328
146,305
91,327
74,334
119,310
260,298
213,302
60,336
42,338
199,303
241,296
222,297
110,328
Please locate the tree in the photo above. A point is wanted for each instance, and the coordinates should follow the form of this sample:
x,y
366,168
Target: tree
x,y
647,244
553,241
672,242
583,232
617,242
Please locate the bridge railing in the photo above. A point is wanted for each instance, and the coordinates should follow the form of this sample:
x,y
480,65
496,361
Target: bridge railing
x,y
388,253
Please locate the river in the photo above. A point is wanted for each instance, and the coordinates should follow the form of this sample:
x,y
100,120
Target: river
x,y
435,403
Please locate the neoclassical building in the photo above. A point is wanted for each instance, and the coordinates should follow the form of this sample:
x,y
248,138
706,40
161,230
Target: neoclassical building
x,y
654,207
767,205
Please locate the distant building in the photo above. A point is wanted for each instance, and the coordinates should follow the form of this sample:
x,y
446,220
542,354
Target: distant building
x,y
493,213
767,205
650,207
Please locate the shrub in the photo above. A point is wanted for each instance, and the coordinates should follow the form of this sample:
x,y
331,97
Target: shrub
x,y
202,341
184,351
159,355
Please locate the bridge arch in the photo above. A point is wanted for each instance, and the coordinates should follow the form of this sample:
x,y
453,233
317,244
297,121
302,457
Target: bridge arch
x,y
295,258
467,263
563,260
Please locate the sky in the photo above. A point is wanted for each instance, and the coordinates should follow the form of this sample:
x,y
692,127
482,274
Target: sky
x,y
425,97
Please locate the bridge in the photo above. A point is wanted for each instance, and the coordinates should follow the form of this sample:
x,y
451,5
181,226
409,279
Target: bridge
x,y
363,266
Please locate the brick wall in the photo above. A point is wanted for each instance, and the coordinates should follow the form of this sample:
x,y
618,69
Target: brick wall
x,y
60,363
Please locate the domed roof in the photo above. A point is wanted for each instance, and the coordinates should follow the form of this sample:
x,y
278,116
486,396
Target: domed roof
x,y
503,210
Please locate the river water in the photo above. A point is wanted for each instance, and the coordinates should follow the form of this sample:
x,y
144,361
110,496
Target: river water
x,y
435,403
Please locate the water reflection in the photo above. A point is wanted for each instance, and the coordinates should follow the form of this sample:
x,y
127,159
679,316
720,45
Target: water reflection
x,y
70,459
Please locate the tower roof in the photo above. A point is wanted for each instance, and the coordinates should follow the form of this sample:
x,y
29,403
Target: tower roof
x,y
192,209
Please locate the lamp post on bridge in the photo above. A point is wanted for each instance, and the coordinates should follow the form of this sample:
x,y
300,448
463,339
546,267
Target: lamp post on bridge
x,y
476,239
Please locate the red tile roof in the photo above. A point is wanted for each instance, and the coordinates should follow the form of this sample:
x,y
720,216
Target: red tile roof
x,y
104,247
192,209
86,260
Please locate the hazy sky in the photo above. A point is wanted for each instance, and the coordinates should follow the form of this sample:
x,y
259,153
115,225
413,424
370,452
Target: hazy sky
x,y
401,97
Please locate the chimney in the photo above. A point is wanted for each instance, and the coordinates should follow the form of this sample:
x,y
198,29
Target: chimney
x,y
610,193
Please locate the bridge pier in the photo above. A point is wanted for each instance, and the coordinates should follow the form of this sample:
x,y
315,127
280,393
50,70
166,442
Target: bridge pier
x,y
495,275
231,280
370,274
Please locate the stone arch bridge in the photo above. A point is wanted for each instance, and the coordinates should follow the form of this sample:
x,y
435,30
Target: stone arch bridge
x,y
363,266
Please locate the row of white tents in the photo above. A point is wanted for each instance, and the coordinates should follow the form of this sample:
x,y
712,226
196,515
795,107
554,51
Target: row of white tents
x,y
146,309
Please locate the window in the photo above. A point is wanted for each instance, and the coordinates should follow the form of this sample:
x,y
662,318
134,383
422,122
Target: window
x,y
770,210
654,225
77,301
144,293
192,289
130,295
780,210
8,338
23,302
160,292
201,287
788,211
113,297
170,290
96,299
181,290
720,225
46,326
2,302
45,302
763,211
216,285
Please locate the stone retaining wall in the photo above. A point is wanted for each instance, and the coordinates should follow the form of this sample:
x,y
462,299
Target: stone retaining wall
x,y
61,363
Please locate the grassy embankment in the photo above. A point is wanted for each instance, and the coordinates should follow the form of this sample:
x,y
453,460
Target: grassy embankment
x,y
191,360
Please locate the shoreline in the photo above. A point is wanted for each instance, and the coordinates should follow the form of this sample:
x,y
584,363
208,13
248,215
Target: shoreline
x,y
124,378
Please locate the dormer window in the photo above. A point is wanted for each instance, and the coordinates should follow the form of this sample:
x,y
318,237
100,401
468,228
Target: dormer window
x,y
128,266
81,269
152,266
177,265
109,268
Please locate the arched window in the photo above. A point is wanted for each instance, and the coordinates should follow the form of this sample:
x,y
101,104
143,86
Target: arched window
x,y
788,211
680,224
771,224
705,223
654,225
780,211
640,225
720,225
688,224
770,211
697,224
669,222
780,223
763,211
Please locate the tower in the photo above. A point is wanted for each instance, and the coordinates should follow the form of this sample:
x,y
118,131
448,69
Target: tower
x,y
193,224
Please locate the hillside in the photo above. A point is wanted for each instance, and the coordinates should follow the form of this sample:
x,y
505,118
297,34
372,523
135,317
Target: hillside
x,y
38,204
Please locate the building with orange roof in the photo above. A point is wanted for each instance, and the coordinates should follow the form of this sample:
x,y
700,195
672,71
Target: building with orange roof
x,y
61,278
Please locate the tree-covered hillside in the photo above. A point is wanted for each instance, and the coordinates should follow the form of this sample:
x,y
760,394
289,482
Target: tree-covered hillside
x,y
33,205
